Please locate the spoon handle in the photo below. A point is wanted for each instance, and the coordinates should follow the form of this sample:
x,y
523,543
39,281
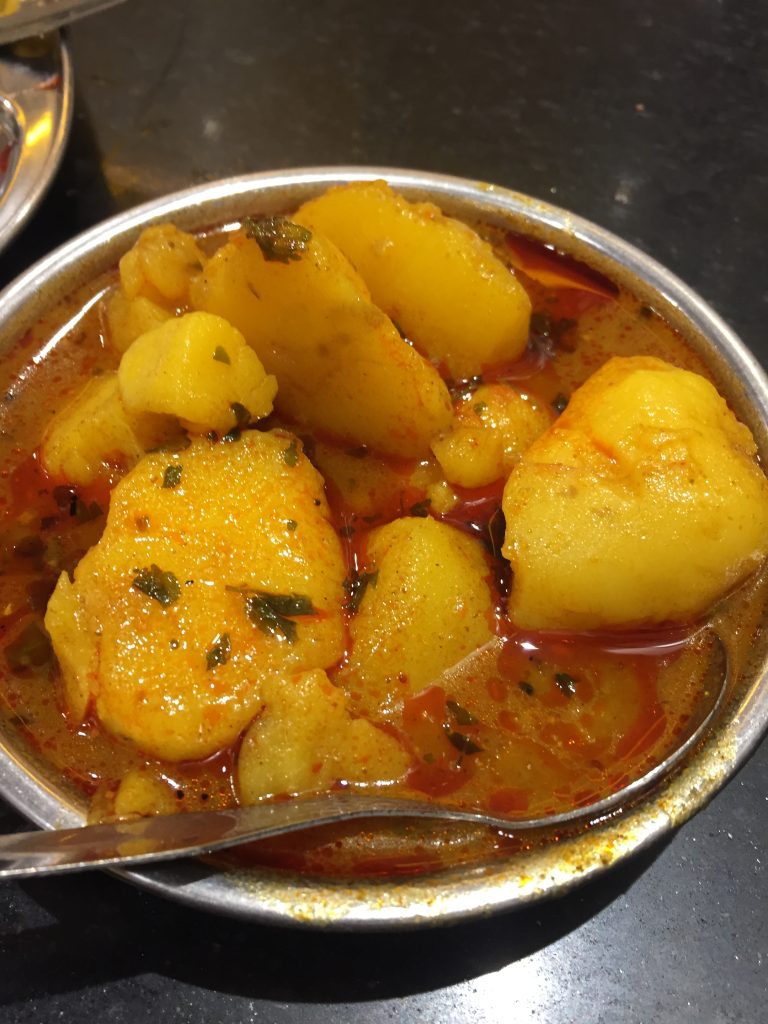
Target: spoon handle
x,y
163,837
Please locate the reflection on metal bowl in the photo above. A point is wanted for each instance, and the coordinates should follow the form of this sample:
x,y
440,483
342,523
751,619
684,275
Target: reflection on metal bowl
x,y
36,96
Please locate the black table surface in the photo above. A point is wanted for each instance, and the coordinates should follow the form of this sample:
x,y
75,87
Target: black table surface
x,y
647,118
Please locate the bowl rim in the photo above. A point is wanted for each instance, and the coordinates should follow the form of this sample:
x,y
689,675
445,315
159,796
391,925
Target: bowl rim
x,y
461,893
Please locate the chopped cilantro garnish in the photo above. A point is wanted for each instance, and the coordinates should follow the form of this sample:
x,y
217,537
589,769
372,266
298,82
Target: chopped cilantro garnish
x,y
162,587
291,524
420,509
526,687
221,355
565,683
241,414
459,714
219,652
560,403
480,407
463,743
278,238
272,613
172,475
291,454
356,585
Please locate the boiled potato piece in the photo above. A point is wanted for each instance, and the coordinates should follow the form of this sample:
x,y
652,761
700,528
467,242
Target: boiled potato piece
x,y
490,430
199,368
128,319
642,504
425,606
440,283
95,435
305,740
217,568
340,364
161,265
142,792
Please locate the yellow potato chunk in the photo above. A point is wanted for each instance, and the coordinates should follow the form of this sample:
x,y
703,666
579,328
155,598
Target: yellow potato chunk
x,y
425,606
305,740
437,279
364,485
128,319
217,569
95,435
200,369
340,363
642,504
142,792
491,429
161,265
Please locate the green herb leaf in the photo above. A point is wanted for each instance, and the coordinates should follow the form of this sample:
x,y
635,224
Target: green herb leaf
x,y
526,687
291,524
356,585
463,743
221,355
172,475
566,683
219,652
291,454
272,613
560,403
420,509
162,587
480,407
278,238
459,714
241,414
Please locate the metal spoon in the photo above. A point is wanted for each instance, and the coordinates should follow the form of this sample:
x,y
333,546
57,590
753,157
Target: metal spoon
x,y
164,837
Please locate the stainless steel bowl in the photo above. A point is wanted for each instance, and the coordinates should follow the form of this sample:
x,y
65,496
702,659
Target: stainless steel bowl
x,y
482,887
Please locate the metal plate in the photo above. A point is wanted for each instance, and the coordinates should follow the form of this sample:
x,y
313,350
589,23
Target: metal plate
x,y
36,89
549,868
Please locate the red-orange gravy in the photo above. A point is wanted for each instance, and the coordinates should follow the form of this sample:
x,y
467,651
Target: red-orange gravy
x,y
558,722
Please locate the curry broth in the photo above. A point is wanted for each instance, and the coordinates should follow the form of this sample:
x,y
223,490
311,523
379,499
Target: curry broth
x,y
559,722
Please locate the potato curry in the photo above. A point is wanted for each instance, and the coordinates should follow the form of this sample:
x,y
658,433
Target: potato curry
x,y
268,485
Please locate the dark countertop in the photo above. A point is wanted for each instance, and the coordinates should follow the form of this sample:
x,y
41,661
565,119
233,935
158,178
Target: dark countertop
x,y
648,119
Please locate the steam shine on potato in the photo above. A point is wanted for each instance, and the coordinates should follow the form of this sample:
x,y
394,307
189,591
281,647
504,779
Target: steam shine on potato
x,y
440,283
217,569
642,504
